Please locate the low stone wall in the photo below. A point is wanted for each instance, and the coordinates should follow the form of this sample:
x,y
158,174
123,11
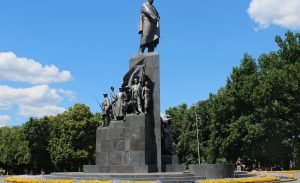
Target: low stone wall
x,y
213,171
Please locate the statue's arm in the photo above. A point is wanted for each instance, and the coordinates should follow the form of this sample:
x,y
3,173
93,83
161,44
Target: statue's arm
x,y
143,93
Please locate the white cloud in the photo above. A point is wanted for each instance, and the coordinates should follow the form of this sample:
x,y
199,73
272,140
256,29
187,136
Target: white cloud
x,y
284,13
4,106
164,117
68,93
36,101
13,68
38,95
4,119
40,111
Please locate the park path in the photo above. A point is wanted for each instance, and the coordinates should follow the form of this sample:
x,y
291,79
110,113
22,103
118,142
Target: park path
x,y
298,177
1,179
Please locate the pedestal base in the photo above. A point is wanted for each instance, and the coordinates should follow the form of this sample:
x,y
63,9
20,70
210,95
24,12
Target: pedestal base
x,y
126,147
213,171
120,169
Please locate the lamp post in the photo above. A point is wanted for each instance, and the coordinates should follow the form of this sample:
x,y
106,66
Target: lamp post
x,y
295,141
199,160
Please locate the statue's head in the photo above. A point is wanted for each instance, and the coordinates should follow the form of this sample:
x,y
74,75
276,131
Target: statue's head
x,y
146,83
151,1
135,80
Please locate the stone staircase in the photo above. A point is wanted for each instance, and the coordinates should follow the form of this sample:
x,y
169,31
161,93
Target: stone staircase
x,y
243,174
174,177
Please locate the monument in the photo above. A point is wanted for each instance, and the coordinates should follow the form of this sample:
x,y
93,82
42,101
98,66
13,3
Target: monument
x,y
134,140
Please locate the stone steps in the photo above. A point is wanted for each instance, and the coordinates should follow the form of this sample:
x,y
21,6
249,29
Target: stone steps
x,y
175,177
243,174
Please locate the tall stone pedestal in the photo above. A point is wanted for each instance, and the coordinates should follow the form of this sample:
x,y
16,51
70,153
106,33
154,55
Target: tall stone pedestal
x,y
151,62
133,145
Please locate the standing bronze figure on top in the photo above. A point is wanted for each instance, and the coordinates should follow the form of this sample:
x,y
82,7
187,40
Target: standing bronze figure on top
x,y
149,27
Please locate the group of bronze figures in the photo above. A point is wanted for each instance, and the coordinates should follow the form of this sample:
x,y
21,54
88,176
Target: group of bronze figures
x,y
133,99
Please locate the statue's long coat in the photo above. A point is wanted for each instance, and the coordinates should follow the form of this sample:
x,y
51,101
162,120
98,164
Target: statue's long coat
x,y
119,109
105,106
149,27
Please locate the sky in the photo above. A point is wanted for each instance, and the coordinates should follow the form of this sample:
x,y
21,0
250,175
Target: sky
x,y
56,53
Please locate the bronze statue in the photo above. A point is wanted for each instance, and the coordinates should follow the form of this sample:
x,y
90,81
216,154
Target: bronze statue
x,y
168,143
146,94
149,27
136,91
127,97
113,105
106,110
119,105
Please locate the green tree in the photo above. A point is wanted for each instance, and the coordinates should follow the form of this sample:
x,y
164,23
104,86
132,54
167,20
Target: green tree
x,y
73,138
255,116
37,132
14,156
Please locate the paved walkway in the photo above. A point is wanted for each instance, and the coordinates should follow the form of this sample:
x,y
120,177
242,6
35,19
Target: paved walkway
x,y
298,177
296,174
1,179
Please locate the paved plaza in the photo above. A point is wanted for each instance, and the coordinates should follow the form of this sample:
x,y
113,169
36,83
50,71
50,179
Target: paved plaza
x,y
296,174
1,179
298,177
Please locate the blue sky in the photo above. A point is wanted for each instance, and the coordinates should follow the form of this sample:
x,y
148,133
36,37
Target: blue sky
x,y
56,53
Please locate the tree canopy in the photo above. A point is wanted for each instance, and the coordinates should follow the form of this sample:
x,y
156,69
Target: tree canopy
x,y
58,143
255,116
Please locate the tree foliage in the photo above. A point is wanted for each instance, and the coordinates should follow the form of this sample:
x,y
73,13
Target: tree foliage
x,y
58,143
255,116
73,138
14,156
